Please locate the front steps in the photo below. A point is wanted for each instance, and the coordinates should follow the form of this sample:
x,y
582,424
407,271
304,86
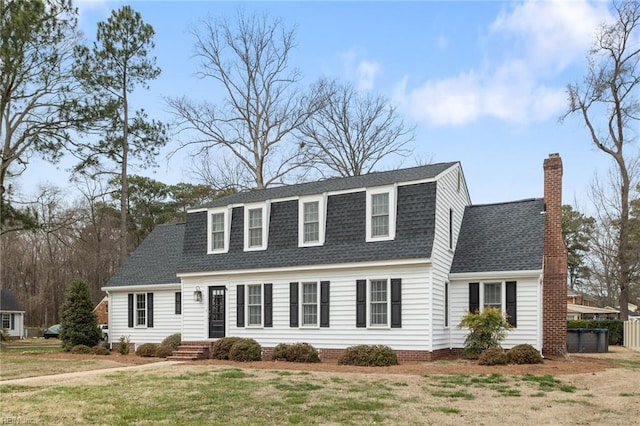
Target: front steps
x,y
191,351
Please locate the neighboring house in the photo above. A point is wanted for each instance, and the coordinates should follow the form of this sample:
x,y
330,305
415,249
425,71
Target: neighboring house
x,y
577,312
102,311
394,258
12,313
576,298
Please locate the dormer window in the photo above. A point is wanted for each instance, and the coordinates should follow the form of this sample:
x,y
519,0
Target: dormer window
x,y
255,226
311,214
381,214
218,235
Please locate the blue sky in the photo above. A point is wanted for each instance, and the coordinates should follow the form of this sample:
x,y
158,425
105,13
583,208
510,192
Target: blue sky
x,y
484,82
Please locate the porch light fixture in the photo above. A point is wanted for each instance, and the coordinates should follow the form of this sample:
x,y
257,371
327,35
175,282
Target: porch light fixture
x,y
197,295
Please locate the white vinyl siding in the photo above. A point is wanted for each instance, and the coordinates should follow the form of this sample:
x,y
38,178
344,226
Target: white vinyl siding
x,y
165,321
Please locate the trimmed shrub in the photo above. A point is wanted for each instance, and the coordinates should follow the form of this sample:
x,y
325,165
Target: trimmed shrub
x,y
245,350
163,351
221,347
524,354
81,349
298,352
369,356
147,350
100,350
280,352
493,356
173,341
123,347
615,328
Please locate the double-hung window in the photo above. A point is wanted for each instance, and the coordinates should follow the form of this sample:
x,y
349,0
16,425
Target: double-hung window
x,y
218,237
255,226
499,295
310,304
141,309
381,214
493,295
255,305
6,321
378,303
311,213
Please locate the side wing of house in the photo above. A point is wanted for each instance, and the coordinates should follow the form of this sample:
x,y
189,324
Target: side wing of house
x,y
144,295
498,263
332,263
11,314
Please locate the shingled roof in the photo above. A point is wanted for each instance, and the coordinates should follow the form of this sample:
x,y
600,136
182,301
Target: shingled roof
x,y
8,301
501,237
155,261
335,184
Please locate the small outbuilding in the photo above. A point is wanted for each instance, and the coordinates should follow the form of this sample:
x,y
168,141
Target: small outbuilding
x,y
12,313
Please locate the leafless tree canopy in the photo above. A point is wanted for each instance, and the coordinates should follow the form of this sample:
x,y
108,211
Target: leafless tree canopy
x,y
607,101
249,60
353,131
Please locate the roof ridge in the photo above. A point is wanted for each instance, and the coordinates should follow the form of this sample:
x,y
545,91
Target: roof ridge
x,y
524,200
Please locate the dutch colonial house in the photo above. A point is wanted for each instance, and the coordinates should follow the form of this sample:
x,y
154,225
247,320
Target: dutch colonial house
x,y
394,258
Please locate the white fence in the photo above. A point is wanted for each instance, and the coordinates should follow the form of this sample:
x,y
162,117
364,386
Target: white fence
x,y
631,335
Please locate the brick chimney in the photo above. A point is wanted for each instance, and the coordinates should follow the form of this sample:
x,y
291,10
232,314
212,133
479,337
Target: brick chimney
x,y
554,285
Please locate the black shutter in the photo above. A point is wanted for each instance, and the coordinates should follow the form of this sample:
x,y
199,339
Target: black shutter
x,y
240,305
130,310
293,304
511,303
396,303
13,322
474,297
149,309
178,309
324,304
268,305
361,303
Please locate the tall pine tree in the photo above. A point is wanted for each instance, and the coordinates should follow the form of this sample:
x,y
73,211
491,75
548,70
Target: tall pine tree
x,y
78,322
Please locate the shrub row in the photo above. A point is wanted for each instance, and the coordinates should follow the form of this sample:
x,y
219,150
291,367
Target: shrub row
x,y
520,354
237,349
96,350
151,350
615,328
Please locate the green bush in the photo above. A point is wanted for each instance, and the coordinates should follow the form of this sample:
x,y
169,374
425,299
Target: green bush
x,y
78,325
245,350
298,352
280,352
493,356
124,344
368,356
81,349
524,354
615,328
486,330
163,351
173,341
147,350
100,350
222,347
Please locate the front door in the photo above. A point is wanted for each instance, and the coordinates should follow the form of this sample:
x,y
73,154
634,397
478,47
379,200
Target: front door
x,y
216,311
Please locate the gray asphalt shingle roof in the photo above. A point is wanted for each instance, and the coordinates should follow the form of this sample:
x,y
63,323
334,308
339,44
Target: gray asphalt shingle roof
x,y
335,184
501,237
8,301
155,261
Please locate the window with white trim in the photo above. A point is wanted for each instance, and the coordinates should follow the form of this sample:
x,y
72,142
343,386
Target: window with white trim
x,y
311,222
502,295
255,226
379,303
6,321
254,303
310,300
493,295
218,236
141,310
381,214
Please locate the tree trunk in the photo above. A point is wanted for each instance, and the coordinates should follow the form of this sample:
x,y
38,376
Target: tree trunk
x,y
124,183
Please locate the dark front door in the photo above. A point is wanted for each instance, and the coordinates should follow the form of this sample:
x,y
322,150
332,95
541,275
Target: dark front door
x,y
216,311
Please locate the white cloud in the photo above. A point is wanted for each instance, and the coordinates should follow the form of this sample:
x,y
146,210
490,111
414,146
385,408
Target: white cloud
x,y
367,72
527,46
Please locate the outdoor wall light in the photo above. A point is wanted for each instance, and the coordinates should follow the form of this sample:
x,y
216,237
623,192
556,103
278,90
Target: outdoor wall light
x,y
197,295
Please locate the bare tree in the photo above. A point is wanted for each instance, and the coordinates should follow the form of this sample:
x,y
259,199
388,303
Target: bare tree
x,y
263,105
607,102
353,131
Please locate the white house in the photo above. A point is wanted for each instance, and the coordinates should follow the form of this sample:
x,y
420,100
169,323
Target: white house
x,y
394,258
11,313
